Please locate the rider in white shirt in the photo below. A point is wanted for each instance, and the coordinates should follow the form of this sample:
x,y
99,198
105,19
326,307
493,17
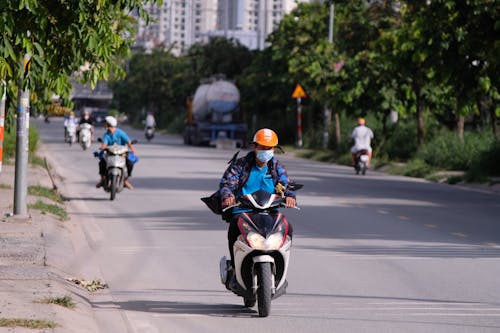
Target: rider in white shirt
x,y
361,135
150,120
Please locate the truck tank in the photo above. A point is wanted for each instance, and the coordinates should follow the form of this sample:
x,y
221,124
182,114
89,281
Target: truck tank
x,y
215,101
214,116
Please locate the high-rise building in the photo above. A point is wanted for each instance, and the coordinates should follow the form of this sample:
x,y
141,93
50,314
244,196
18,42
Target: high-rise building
x,y
178,24
251,21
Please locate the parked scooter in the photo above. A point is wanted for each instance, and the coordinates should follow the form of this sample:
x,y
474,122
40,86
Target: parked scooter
x,y
149,133
261,253
361,160
116,168
85,135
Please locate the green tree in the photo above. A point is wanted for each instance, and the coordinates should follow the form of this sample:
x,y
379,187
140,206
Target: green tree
x,y
219,56
467,49
61,36
265,96
156,82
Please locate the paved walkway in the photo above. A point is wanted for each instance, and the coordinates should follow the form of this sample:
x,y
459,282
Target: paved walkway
x,y
36,259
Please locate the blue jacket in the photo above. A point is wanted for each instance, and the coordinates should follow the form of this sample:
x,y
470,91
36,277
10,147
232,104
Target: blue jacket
x,y
236,175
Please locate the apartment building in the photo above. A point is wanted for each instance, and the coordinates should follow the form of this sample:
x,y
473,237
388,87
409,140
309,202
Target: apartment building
x,y
178,24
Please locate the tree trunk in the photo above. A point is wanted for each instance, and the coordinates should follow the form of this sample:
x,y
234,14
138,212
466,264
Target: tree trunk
x,y
494,125
460,127
337,129
420,119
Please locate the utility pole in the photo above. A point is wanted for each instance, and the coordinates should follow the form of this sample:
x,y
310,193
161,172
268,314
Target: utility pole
x,y
22,142
328,112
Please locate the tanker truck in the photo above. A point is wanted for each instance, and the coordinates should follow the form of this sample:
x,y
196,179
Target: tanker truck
x,y
214,115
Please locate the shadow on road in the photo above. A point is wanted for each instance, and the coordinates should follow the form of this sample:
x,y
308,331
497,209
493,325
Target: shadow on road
x,y
181,307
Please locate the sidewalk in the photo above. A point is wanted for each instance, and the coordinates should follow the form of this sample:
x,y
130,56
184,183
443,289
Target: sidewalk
x,y
35,262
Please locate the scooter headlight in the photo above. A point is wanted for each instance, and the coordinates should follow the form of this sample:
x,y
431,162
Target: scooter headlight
x,y
258,242
274,241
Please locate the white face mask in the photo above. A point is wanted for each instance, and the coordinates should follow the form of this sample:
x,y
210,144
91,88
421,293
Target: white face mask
x,y
264,155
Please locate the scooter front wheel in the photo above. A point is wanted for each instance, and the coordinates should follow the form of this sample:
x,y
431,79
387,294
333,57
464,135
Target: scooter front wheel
x,y
114,185
264,280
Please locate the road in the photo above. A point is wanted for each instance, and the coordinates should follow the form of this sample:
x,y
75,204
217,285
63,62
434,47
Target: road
x,y
374,253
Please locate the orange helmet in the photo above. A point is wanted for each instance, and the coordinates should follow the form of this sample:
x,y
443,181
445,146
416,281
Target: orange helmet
x,y
361,121
266,137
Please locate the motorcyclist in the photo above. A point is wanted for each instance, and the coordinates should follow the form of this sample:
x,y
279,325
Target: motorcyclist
x,y
114,135
258,170
150,120
70,120
362,136
85,119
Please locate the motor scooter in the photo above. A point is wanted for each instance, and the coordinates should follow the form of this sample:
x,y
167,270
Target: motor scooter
x,y
360,161
261,252
71,133
149,133
116,168
85,135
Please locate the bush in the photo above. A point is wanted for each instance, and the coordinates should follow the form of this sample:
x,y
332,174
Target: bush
x,y
487,164
401,145
447,152
414,168
176,125
9,142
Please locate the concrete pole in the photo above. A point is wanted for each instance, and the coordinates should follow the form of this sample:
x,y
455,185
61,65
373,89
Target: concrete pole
x,y
2,120
22,143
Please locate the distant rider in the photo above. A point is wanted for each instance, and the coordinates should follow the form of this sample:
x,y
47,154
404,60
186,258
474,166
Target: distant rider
x,y
150,120
70,120
114,135
362,136
258,170
86,119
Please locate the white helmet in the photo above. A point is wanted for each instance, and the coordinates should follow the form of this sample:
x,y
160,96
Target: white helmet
x,y
111,121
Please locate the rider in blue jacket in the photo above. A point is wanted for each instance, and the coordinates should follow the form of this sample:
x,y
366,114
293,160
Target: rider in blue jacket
x,y
114,135
258,170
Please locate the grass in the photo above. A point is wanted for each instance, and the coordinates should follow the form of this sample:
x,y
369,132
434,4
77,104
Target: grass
x,y
50,208
313,154
28,323
414,168
5,187
64,301
42,191
37,160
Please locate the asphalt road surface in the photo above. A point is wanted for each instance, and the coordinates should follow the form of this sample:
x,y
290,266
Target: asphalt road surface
x,y
372,253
